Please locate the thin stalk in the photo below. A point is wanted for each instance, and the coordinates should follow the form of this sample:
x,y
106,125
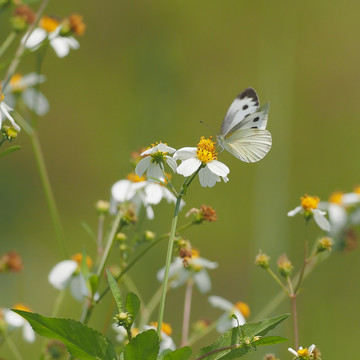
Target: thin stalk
x,y
187,311
7,42
13,348
276,278
294,311
306,260
54,213
100,232
168,261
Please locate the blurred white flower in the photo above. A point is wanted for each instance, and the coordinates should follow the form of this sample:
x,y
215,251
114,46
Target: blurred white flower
x,y
49,28
23,86
309,207
195,269
16,321
66,274
166,342
226,321
141,193
154,159
5,112
303,354
203,156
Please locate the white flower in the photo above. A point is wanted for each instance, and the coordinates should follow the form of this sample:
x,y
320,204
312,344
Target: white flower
x,y
203,156
195,269
141,193
302,353
226,321
23,86
5,112
65,274
309,208
50,29
153,161
16,321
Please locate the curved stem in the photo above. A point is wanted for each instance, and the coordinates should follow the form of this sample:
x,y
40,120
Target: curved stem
x,y
13,348
276,278
187,311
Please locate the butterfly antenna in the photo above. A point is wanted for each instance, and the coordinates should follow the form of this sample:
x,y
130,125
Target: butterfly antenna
x,y
212,130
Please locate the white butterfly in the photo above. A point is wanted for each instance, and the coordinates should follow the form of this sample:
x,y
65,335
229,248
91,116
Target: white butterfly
x,y
243,131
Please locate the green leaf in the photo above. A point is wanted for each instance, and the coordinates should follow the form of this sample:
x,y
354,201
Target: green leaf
x,y
115,290
10,150
145,346
232,337
179,354
269,340
81,341
132,304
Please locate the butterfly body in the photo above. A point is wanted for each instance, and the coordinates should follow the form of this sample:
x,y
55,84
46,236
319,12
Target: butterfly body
x,y
243,131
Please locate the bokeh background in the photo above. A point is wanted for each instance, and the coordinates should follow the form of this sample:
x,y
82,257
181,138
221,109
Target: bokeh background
x,y
149,71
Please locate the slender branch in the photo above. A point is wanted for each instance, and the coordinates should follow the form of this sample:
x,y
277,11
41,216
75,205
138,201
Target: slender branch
x,y
187,311
7,42
276,278
100,231
13,348
294,311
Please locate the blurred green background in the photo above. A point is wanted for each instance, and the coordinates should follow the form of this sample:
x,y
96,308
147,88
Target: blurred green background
x,y
149,71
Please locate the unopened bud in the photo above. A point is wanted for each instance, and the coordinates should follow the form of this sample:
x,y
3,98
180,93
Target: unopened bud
x,y
262,260
324,244
285,266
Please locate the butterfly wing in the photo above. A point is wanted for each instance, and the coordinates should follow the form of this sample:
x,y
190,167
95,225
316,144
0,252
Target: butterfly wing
x,y
256,120
249,145
246,103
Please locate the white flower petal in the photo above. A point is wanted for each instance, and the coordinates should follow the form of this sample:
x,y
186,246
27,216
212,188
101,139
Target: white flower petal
x,y
218,168
320,219
220,303
28,333
293,352
224,323
350,199
165,148
142,166
185,153
36,101
61,274
171,162
5,110
154,171
13,319
31,79
207,178
153,193
61,46
337,217
295,211
35,38
188,167
78,288
149,212
202,281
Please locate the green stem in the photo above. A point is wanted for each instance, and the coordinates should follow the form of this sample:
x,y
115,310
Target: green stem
x,y
168,261
7,42
13,348
187,311
55,217
306,260
276,278
294,311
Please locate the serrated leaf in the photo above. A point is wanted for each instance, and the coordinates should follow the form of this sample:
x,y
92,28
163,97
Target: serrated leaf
x,y
81,341
145,346
179,354
10,150
232,337
115,290
132,304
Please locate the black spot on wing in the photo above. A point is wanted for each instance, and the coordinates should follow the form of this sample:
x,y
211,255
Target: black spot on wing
x,y
245,107
256,119
249,93
254,127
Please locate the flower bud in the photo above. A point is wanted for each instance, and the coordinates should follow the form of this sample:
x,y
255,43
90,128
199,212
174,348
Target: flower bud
x,y
285,266
23,17
121,237
55,349
149,235
102,207
262,260
324,244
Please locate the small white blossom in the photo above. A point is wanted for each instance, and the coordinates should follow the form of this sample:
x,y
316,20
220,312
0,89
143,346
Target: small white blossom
x,y
195,270
16,321
308,207
23,87
203,156
302,353
5,113
226,321
153,161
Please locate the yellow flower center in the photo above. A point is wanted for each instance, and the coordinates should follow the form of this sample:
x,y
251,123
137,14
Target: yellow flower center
x,y
165,328
2,96
22,307
195,253
243,308
206,150
78,258
15,82
135,178
303,352
49,23
336,197
357,190
309,202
